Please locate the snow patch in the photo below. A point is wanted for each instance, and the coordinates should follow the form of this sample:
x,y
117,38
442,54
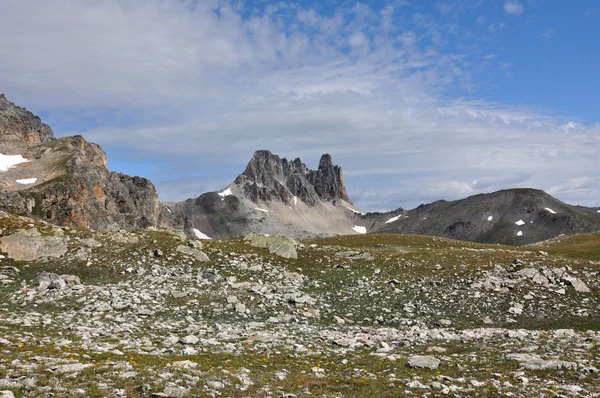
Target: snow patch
x,y
169,210
490,218
520,222
200,235
359,229
598,211
8,161
394,219
225,193
355,211
295,201
26,181
263,210
520,233
550,210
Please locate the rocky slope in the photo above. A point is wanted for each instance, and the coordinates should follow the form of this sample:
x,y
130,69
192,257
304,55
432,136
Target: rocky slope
x,y
66,180
272,196
153,313
512,217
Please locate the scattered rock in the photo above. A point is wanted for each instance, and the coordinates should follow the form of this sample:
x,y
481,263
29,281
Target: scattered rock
x,y
423,362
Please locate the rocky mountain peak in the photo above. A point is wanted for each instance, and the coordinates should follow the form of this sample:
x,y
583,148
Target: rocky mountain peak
x,y
21,128
67,181
328,180
268,177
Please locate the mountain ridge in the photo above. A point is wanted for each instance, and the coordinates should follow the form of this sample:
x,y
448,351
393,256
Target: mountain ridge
x,y
66,181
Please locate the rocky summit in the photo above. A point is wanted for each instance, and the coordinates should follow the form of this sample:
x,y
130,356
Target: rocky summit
x,y
159,314
271,196
66,181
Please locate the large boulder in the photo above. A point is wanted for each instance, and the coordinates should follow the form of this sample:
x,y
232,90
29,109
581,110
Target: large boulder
x,y
277,244
30,245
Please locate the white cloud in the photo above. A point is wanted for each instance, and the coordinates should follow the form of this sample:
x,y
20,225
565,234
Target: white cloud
x,y
513,7
204,84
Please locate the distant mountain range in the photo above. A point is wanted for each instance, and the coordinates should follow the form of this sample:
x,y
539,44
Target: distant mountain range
x,y
66,182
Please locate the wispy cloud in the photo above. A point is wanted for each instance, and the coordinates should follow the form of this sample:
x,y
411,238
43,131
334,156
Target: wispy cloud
x,y
204,84
513,8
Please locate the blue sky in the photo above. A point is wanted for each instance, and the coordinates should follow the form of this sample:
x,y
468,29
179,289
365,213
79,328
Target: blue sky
x,y
416,100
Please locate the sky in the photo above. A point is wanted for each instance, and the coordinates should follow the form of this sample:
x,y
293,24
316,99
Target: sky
x,y
415,100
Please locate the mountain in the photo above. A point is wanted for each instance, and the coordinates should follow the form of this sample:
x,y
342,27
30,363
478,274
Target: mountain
x,y
66,181
511,217
272,195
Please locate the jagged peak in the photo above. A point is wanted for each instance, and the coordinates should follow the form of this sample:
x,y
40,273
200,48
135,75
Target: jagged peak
x,y
269,177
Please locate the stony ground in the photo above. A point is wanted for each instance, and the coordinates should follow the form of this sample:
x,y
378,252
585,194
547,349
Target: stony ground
x,y
144,314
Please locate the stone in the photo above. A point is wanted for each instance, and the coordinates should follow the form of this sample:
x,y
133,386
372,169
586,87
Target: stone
x,y
190,340
210,274
277,244
516,309
47,280
240,308
576,283
194,252
423,362
176,392
30,245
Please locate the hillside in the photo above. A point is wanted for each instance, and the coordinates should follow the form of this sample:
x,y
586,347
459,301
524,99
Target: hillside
x,y
511,217
153,313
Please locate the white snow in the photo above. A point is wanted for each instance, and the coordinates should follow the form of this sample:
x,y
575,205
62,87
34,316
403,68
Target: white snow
x,y
169,210
263,210
26,181
8,161
394,219
520,222
200,235
490,218
598,211
355,211
550,210
295,201
520,233
225,193
359,229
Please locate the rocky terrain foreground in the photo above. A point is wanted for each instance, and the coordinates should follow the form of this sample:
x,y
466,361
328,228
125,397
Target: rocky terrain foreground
x,y
155,314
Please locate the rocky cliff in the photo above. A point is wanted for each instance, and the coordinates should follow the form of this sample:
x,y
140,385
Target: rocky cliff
x,y
268,177
66,181
20,128
272,195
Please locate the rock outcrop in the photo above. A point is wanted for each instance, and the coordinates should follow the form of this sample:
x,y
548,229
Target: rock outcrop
x,y
268,177
19,127
272,196
66,181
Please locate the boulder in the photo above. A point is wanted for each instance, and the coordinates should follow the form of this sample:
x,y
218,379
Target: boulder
x,y
47,280
423,362
30,245
277,244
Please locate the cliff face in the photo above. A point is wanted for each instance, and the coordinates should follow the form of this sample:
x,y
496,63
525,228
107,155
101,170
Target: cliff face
x,y
19,127
268,177
68,181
